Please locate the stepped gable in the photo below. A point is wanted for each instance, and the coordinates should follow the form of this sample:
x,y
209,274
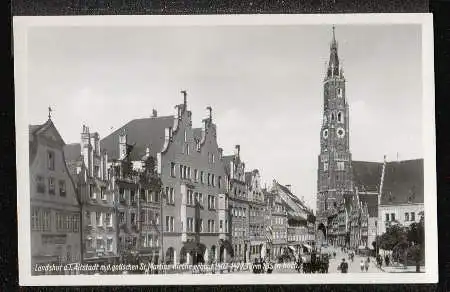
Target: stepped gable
x,y
142,133
403,182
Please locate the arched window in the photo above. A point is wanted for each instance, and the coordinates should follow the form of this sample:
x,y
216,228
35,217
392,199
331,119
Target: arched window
x,y
332,116
339,117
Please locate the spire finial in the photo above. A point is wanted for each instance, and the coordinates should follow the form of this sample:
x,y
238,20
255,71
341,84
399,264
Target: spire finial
x,y
49,113
184,92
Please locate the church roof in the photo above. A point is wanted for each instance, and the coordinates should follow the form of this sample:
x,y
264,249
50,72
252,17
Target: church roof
x,y
367,175
142,133
403,182
72,152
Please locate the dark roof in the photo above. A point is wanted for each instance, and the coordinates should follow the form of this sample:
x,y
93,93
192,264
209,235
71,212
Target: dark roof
x,y
403,182
197,132
367,175
372,203
147,132
248,178
72,152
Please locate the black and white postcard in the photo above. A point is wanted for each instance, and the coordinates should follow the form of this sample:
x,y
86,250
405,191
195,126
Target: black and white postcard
x,y
250,149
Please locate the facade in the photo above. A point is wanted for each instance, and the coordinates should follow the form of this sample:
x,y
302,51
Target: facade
x,y
87,165
402,196
278,224
298,215
55,207
334,162
239,205
256,213
194,211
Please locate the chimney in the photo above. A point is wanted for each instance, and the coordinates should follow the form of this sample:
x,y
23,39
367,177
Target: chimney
x,y
237,150
289,188
154,113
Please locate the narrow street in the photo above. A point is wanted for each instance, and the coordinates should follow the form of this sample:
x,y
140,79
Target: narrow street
x,y
353,266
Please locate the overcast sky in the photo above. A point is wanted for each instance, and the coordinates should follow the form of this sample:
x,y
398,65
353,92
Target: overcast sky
x,y
264,84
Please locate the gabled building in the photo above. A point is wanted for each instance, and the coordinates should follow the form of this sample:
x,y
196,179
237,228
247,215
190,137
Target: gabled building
x,y
256,213
55,236
298,215
194,211
239,205
276,224
87,166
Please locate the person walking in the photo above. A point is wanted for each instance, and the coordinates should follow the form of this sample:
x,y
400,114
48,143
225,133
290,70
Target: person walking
x,y
366,265
343,267
362,265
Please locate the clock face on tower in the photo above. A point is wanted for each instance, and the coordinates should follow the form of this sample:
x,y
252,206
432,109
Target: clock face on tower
x,y
325,133
340,133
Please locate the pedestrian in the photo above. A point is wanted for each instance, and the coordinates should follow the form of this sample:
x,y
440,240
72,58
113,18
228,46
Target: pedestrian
x,y
366,265
362,265
343,267
386,260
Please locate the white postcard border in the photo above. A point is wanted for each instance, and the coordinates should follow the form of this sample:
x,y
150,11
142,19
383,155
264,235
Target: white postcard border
x,y
21,26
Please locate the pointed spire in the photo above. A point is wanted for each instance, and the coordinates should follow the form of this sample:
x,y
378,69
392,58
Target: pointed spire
x,y
49,113
333,65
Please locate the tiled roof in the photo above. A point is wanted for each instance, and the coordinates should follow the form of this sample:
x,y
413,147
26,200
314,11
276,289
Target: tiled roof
x,y
197,132
72,152
290,199
372,203
248,178
403,182
367,175
143,133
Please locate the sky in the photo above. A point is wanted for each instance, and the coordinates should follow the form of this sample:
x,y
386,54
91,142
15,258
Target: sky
x,y
264,84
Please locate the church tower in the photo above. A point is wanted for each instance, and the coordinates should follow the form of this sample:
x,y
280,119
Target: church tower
x,y
334,177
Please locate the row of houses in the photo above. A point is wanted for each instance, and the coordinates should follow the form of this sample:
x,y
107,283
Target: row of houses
x,y
386,193
157,190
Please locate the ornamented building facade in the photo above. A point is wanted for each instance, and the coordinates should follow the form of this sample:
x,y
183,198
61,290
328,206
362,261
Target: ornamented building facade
x,y
55,207
87,165
194,211
256,213
239,205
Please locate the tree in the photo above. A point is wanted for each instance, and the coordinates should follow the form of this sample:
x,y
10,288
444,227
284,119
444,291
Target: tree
x,y
392,237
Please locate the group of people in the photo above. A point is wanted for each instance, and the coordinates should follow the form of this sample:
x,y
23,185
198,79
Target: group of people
x,y
365,264
387,260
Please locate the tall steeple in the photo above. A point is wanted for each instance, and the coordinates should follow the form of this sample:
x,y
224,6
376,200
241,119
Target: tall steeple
x,y
333,64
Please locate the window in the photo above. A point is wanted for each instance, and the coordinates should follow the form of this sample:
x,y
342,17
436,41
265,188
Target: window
x,y
221,225
98,218
51,160
325,166
190,197
212,158
35,219
392,217
133,218
185,135
200,198
132,196
96,171
76,223
102,193
181,171
406,216
413,216
339,117
387,216
195,174
99,243
122,219
186,148
172,169
219,181
169,224
121,194
226,226
189,173
108,219
62,188
213,180
340,165
40,184
190,224
51,185
209,179
156,218
109,244
92,192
